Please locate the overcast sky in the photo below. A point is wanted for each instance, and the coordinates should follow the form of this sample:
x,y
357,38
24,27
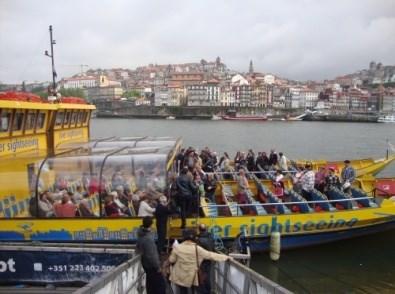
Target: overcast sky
x,y
307,39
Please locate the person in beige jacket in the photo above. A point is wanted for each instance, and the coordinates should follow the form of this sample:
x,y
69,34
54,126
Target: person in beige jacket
x,y
184,271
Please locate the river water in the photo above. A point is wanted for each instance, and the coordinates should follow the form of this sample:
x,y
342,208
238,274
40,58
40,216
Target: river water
x,y
361,265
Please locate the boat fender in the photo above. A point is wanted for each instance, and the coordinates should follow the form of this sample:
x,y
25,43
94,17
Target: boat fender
x,y
275,246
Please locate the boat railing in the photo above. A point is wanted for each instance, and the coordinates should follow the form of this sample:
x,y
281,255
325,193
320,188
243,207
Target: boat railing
x,y
289,203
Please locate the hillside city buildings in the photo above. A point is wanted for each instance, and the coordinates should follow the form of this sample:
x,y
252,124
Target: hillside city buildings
x,y
211,83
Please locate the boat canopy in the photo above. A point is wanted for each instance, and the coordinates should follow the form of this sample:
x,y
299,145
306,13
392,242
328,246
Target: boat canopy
x,y
102,166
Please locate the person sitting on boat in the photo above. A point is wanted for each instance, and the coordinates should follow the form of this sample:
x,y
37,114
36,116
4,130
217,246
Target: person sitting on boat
x,y
124,208
94,185
347,176
278,184
297,186
319,181
145,209
84,208
65,208
307,181
122,195
282,162
76,197
331,180
141,181
110,207
117,179
61,182
45,207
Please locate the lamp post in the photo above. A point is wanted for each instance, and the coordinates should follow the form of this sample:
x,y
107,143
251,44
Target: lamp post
x,y
53,42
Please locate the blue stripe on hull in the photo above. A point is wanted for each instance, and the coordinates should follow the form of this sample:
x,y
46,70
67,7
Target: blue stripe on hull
x,y
295,241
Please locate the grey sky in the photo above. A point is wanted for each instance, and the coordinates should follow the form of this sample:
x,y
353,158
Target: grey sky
x,y
307,39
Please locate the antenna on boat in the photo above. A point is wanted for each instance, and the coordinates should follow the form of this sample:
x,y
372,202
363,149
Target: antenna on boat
x,y
54,75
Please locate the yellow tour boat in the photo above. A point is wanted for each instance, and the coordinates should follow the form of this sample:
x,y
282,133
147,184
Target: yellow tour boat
x,y
45,148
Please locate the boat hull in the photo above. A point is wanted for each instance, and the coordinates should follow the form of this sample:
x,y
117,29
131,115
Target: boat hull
x,y
306,240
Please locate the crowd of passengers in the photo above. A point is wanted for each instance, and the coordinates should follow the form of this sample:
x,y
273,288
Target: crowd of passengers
x,y
197,178
199,171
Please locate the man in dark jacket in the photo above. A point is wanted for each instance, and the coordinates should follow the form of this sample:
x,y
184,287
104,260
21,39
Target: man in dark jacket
x,y
161,213
155,282
186,189
206,241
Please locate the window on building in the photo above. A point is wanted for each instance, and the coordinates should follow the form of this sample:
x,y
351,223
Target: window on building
x,y
5,118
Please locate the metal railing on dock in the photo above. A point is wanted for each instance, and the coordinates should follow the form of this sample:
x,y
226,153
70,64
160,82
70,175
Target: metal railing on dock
x,y
235,278
229,277
129,277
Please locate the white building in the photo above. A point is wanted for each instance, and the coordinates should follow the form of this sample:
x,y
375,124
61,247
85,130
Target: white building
x,y
308,98
227,97
269,79
239,80
80,82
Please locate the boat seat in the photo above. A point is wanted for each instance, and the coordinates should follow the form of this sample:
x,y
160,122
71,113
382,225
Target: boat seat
x,y
295,197
345,200
278,204
260,210
230,200
209,208
318,196
358,193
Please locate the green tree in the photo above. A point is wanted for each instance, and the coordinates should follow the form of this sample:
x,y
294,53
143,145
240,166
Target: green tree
x,y
131,94
72,93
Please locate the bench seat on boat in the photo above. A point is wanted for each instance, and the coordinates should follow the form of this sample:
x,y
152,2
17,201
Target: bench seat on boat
x,y
345,200
365,201
229,197
278,204
302,203
318,196
260,210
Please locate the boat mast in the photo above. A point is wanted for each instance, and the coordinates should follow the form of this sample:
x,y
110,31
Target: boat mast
x,y
54,75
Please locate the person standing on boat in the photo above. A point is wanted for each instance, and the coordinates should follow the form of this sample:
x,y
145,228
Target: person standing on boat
x,y
186,190
273,158
307,181
251,160
243,187
282,162
161,213
155,283
347,176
